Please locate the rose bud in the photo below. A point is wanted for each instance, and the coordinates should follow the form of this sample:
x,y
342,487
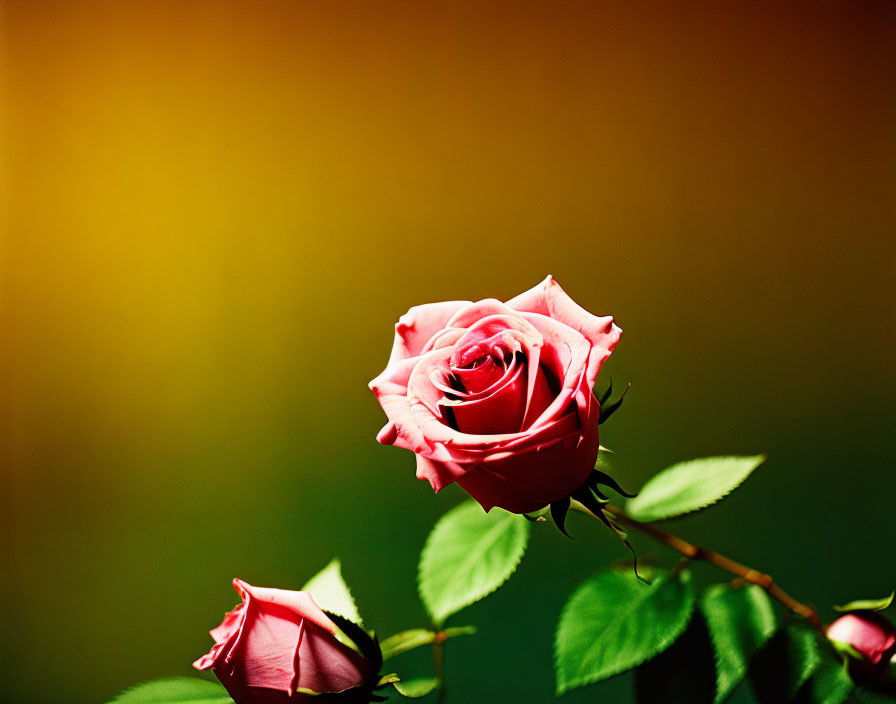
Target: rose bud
x,y
278,646
498,396
868,641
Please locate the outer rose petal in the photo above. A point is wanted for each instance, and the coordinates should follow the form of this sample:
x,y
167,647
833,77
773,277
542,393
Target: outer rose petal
x,y
549,299
414,329
439,473
279,641
391,390
299,603
527,481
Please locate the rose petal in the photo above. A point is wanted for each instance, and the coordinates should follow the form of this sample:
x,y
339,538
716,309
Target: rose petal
x,y
549,299
391,390
474,312
268,647
500,412
414,329
300,603
438,474
522,482
563,350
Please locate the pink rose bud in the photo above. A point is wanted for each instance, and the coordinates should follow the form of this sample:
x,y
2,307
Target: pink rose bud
x,y
498,396
864,635
278,646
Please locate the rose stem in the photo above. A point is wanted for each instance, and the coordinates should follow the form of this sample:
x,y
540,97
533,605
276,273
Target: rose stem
x,y
693,552
438,658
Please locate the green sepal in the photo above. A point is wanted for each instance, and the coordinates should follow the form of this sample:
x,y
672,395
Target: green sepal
x,y
605,396
846,649
537,516
589,497
353,636
607,411
868,604
559,510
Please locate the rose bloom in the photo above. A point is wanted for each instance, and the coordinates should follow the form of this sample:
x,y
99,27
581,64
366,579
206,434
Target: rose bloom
x,y
865,635
498,396
278,646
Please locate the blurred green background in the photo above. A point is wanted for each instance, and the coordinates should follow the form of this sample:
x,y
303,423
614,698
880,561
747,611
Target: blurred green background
x,y
214,213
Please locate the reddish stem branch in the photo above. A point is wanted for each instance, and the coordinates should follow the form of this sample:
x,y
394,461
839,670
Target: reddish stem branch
x,y
693,552
438,657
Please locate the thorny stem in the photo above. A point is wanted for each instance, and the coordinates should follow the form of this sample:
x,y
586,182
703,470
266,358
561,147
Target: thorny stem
x,y
693,552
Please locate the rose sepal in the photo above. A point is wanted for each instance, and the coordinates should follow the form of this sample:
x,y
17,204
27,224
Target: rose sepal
x,y
367,646
868,604
607,410
353,636
591,499
589,495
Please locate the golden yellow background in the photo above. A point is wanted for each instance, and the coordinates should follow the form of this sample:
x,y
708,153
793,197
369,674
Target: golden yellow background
x,y
213,213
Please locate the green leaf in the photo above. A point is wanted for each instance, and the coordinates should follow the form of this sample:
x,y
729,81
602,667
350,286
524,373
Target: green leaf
x,y
175,690
829,685
331,593
417,687
415,637
868,604
614,622
690,486
405,641
468,555
683,672
784,664
740,622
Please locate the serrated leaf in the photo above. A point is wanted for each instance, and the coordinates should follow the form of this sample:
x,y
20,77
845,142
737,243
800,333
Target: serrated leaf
x,y
175,690
417,687
868,604
690,486
683,672
615,622
467,556
784,664
829,685
740,622
331,593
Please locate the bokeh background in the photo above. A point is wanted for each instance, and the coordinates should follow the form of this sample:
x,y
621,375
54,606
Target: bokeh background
x,y
214,212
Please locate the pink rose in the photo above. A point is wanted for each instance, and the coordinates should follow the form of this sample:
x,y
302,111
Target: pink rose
x,y
278,646
864,635
498,396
